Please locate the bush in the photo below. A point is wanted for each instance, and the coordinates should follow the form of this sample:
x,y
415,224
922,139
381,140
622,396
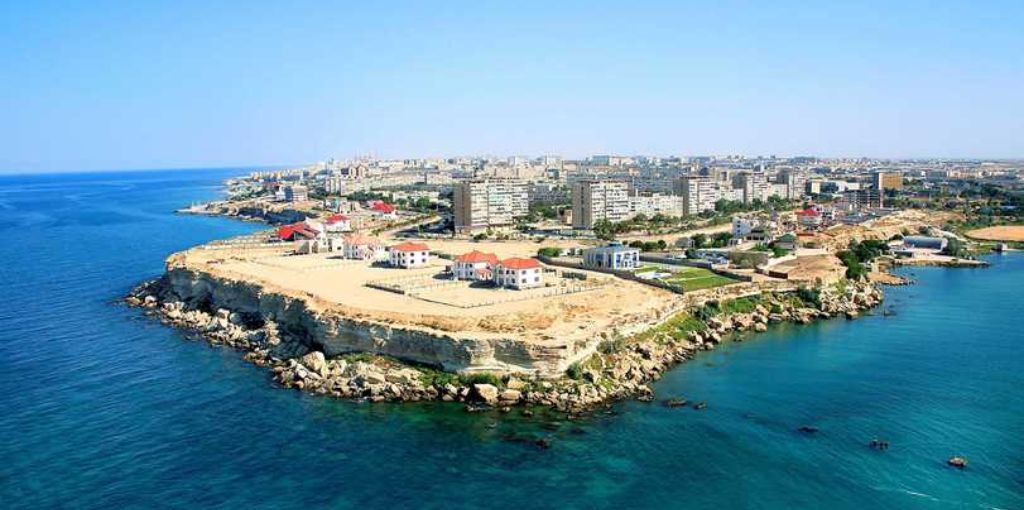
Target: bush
x,y
575,371
482,378
809,296
549,251
612,345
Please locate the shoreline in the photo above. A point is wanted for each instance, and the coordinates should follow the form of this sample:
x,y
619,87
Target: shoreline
x,y
621,368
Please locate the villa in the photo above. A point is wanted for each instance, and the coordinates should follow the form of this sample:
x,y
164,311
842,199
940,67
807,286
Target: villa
x,y
410,255
338,223
518,273
612,256
297,232
475,265
364,247
383,209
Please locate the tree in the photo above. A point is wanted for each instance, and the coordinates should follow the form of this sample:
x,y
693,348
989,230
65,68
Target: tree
x,y
954,248
604,229
699,240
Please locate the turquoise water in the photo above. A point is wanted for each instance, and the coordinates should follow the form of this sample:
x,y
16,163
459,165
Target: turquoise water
x,y
101,407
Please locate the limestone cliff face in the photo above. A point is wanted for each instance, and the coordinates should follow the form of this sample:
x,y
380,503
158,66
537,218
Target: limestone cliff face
x,y
334,334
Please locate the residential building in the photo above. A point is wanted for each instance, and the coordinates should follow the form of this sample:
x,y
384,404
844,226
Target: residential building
x,y
650,205
296,193
479,204
519,273
383,209
337,223
409,255
475,265
596,200
364,247
612,256
754,185
809,218
297,231
795,182
742,226
699,193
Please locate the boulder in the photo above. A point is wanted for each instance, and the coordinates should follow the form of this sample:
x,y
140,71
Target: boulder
x,y
515,383
486,393
315,362
510,396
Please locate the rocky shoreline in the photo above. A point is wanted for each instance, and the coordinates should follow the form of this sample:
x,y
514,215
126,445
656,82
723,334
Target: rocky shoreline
x,y
622,368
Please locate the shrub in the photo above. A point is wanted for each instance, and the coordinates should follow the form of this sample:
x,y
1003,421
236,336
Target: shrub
x,y
809,296
549,251
575,371
482,378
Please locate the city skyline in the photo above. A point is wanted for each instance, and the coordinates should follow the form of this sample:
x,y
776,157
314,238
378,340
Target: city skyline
x,y
109,87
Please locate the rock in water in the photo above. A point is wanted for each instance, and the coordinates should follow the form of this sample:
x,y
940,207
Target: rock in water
x,y
315,362
486,392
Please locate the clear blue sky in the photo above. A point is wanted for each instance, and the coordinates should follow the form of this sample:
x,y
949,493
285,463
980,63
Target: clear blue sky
x,y
152,84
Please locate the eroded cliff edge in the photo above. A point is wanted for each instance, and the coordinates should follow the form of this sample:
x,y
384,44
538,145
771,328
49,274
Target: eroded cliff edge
x,y
328,353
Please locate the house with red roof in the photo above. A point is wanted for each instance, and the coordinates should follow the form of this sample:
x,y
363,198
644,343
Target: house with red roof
x,y
383,209
809,217
364,247
475,265
519,273
297,232
338,223
409,255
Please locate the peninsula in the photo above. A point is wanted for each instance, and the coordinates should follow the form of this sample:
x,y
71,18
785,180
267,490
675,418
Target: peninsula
x,y
515,286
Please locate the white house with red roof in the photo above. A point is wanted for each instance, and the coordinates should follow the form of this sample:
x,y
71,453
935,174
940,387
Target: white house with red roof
x,y
297,232
364,247
337,223
809,218
383,209
519,273
410,255
475,265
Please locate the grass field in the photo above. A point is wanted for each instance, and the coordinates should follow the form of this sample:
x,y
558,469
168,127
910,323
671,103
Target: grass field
x,y
697,278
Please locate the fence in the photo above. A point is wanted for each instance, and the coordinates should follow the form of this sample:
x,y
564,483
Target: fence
x,y
512,296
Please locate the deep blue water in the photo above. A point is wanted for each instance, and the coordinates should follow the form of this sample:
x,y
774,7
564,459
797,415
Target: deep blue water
x,y
101,407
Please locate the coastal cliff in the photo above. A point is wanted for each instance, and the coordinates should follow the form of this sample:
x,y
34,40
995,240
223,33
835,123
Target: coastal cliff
x,y
303,328
329,354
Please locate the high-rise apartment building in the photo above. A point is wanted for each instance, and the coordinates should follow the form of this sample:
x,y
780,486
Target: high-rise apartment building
x,y
754,185
796,183
699,193
481,203
595,200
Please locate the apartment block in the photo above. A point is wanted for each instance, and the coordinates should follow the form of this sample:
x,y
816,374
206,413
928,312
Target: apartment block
x,y
595,200
699,193
482,203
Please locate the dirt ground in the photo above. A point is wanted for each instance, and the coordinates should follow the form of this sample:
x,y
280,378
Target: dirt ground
x,y
1001,233
339,285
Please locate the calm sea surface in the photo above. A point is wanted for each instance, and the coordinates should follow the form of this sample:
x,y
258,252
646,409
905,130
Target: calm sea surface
x,y
101,407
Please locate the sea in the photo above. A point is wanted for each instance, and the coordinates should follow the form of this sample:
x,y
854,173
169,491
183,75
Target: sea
x,y
103,407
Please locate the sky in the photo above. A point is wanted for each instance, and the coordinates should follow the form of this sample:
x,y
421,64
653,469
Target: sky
x,y
178,84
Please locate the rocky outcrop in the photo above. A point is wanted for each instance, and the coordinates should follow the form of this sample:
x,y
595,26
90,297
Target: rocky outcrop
x,y
317,352
334,334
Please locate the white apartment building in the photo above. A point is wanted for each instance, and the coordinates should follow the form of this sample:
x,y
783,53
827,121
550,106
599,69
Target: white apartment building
x,y
699,193
796,183
754,185
481,203
595,200
649,205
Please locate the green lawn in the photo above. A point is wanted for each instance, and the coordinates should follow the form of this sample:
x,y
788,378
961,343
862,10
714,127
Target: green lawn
x,y
697,278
